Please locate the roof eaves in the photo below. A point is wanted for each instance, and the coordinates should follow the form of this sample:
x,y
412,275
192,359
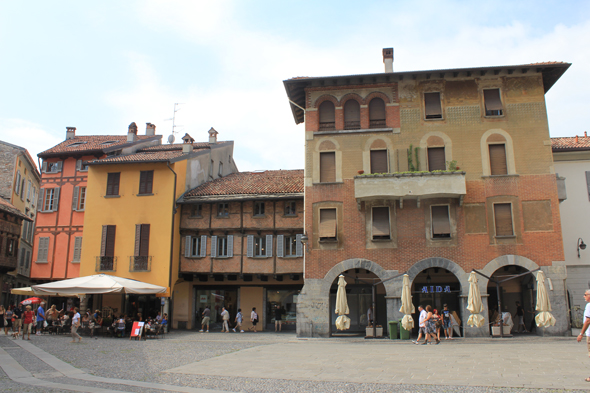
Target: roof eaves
x,y
187,199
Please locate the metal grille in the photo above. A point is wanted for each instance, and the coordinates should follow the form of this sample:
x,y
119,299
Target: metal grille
x,y
327,126
377,123
352,125
140,263
106,264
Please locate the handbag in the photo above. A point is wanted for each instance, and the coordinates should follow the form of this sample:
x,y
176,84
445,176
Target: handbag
x,y
44,324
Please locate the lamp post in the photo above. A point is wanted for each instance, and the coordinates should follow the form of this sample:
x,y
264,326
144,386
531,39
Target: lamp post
x,y
581,245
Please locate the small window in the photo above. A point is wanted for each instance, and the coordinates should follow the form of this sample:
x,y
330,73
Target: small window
x,y
197,210
223,209
51,200
22,190
52,167
211,169
432,106
503,219
379,161
108,143
82,166
290,208
29,185
327,167
327,116
290,246
352,115
441,224
328,225
436,159
77,144
10,249
146,180
498,159
222,246
106,261
492,102
113,183
381,229
79,199
17,183
377,113
259,208
220,172
43,249
260,246
195,249
77,249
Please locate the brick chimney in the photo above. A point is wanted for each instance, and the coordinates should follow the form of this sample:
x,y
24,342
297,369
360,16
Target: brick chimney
x,y
388,59
213,135
150,129
132,132
187,144
70,133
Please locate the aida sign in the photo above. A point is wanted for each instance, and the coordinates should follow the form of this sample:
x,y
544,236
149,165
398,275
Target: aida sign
x,y
436,289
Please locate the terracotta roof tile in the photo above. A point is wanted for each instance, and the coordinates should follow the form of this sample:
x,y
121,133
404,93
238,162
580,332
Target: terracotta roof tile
x,y
571,143
252,183
177,146
8,207
83,143
148,156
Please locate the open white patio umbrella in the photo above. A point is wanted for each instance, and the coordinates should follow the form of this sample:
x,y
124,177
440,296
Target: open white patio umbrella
x,y
28,291
474,304
544,317
97,284
342,322
407,307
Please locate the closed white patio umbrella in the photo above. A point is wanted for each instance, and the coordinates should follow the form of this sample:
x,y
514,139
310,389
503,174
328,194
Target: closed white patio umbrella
x,y
97,284
544,318
474,304
407,306
342,322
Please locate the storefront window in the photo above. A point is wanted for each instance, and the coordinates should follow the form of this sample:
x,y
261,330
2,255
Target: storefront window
x,y
286,299
215,299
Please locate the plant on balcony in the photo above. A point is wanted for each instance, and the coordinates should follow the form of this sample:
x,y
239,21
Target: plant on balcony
x,y
411,167
452,165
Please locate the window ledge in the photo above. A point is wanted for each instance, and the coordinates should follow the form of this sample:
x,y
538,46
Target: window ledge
x,y
505,237
357,131
437,119
195,257
41,262
328,240
112,196
441,239
291,257
260,257
144,194
381,240
218,257
224,216
328,183
259,216
499,176
76,262
494,117
289,215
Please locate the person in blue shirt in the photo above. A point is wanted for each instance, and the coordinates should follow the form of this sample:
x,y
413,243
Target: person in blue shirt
x,y
40,317
446,320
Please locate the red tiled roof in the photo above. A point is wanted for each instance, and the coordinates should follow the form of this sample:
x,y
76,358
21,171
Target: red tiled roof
x,y
83,143
547,63
571,143
148,156
252,183
176,146
8,207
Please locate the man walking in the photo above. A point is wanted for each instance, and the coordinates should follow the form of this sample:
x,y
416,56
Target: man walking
x,y
278,318
520,318
17,314
421,325
585,331
206,317
446,320
225,317
40,317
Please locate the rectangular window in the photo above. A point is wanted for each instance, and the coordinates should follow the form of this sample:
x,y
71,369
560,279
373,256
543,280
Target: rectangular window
x,y
432,106
503,219
82,166
77,249
29,191
492,102
588,183
113,183
10,249
22,190
441,224
17,183
290,246
379,161
146,180
51,199
220,172
195,246
79,199
27,260
498,159
43,249
197,210
290,208
260,246
381,229
259,208
436,159
327,167
52,167
142,240
221,246
107,248
328,225
223,209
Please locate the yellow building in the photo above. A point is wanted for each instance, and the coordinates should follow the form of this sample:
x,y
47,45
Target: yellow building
x,y
131,223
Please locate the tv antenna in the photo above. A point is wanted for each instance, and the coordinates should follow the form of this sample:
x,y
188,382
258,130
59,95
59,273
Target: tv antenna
x,y
172,137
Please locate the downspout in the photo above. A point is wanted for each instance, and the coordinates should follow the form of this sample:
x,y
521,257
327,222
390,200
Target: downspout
x,y
170,314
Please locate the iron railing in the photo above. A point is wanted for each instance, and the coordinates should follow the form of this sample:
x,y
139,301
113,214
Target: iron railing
x,y
328,126
106,264
140,263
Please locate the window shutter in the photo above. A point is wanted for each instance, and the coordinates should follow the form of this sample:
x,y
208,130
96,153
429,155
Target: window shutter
x,y
280,246
77,249
328,167
29,190
41,199
187,246
327,112
299,245
144,246
377,109
432,106
379,161
17,183
75,198
380,221
213,246
58,166
43,249
44,167
492,100
588,183
110,246
55,199
328,223
78,165
250,248
352,111
103,242
503,217
436,159
441,224
230,245
269,245
203,251
498,159
136,252
22,190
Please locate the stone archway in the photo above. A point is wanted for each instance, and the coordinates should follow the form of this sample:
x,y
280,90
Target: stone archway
x,y
504,260
442,263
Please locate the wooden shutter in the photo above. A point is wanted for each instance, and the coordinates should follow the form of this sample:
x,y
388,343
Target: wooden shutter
x,y
328,167
187,245
280,246
58,166
377,109
352,111
503,218
230,245
436,159
298,245
203,251
441,224
327,112
43,251
588,183
269,245
432,107
137,240
103,241
146,179
144,247
41,200
78,165
75,198
113,183
77,249
213,246
498,159
381,222
492,100
327,223
55,199
250,248
110,246
44,167
379,161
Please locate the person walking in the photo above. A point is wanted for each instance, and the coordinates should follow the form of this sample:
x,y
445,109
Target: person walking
x,y
75,326
437,323
17,316
430,326
2,318
585,331
206,318
28,322
253,319
40,318
8,316
225,317
421,325
238,320
446,320
520,318
278,317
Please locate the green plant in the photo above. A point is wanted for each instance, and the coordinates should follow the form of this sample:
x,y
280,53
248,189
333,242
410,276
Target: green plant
x,y
452,165
413,150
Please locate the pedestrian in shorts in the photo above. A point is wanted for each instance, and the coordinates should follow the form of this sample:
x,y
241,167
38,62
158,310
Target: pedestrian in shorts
x,y
206,318
238,320
421,324
446,320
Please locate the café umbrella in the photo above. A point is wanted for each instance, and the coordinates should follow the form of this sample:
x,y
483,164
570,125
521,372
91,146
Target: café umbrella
x,y
342,322
407,307
474,304
97,284
31,300
544,318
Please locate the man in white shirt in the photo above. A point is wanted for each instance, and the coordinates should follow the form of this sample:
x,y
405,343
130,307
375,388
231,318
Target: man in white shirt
x,y
225,316
421,324
75,326
585,331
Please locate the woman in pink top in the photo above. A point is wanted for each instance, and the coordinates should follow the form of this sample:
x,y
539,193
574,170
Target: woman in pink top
x,y
27,322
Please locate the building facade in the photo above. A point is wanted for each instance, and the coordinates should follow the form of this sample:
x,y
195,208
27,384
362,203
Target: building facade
x,y
241,248
433,174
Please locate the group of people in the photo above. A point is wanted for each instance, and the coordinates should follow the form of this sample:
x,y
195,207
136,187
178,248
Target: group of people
x,y
121,324
431,323
238,320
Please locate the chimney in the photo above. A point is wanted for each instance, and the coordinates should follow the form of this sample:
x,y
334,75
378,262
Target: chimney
x,y
187,144
585,134
132,132
576,139
388,59
150,129
70,133
213,136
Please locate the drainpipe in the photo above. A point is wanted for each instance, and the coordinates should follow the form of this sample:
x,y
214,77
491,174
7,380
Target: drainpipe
x,y
171,241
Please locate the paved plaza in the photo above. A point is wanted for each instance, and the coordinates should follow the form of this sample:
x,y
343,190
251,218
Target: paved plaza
x,y
269,362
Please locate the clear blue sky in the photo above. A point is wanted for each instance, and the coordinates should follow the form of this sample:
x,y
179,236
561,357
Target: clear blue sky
x,y
99,66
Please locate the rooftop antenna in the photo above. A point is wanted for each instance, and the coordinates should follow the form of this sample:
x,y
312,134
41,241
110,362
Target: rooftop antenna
x,y
171,138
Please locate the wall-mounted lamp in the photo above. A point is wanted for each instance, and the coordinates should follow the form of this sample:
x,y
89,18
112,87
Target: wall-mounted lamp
x,y
581,245
304,240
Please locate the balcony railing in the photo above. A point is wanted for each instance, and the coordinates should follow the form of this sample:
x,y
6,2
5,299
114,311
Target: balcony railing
x,y
352,125
106,264
328,126
140,263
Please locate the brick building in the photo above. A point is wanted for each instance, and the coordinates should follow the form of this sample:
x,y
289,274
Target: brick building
x,y
242,247
433,173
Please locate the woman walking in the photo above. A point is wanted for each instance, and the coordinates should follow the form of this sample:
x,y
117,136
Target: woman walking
x,y
8,318
75,326
28,322
430,326
2,318
253,319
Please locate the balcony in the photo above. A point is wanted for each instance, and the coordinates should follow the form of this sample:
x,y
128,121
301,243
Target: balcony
x,y
419,185
140,263
106,264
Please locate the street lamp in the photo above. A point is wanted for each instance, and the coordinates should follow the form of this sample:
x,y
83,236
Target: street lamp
x,y
581,245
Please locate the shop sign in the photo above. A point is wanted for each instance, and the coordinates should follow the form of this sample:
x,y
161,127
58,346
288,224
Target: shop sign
x,y
436,289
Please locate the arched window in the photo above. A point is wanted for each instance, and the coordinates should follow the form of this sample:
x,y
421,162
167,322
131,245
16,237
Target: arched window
x,y
376,113
352,115
327,118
